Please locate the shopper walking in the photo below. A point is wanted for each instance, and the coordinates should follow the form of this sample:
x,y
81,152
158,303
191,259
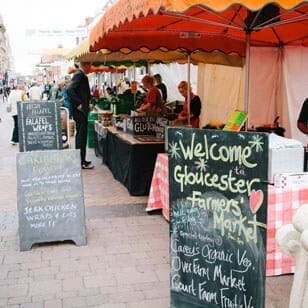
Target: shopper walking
x,y
15,96
79,95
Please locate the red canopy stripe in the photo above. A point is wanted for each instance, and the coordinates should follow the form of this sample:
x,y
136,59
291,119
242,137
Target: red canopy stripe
x,y
126,10
193,24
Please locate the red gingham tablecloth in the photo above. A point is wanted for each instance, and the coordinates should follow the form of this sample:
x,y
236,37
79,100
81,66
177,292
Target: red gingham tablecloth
x,y
159,191
282,205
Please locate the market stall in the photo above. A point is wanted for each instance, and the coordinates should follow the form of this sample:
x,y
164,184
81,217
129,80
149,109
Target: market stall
x,y
130,160
227,26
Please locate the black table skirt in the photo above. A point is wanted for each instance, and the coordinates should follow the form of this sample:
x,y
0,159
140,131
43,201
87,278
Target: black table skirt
x,y
131,164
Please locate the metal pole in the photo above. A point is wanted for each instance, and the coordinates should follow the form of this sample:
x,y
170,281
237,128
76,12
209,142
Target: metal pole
x,y
188,85
134,79
247,71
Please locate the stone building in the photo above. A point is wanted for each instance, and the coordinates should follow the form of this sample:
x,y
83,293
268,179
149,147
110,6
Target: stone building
x,y
5,52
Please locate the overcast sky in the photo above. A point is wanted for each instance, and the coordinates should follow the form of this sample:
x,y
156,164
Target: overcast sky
x,y
19,16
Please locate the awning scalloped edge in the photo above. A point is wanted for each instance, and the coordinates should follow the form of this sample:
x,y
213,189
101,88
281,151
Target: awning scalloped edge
x,y
126,10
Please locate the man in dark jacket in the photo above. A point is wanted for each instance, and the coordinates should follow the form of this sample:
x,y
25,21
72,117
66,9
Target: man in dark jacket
x,y
79,95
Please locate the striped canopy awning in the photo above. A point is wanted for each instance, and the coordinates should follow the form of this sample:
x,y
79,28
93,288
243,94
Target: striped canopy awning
x,y
206,25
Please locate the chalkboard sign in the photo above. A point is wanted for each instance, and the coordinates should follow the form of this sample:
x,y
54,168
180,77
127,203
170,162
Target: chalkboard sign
x,y
141,125
218,206
39,126
160,129
50,197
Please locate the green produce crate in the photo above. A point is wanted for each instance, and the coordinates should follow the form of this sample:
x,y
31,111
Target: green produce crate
x,y
93,115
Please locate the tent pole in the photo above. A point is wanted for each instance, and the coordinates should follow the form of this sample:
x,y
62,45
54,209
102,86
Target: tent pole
x,y
189,86
247,71
149,67
134,79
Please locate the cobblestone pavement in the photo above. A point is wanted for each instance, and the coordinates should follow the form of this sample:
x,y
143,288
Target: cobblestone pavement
x,y
123,265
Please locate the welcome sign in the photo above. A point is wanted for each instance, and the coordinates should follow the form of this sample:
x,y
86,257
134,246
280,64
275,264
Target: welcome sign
x,y
218,205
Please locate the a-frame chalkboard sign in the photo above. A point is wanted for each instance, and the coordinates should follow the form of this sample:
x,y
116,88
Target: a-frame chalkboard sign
x,y
39,126
218,207
50,197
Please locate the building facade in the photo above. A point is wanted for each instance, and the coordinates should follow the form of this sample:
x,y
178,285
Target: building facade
x,y
5,54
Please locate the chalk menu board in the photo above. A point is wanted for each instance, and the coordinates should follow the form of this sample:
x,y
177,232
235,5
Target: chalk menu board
x,y
39,126
218,207
50,197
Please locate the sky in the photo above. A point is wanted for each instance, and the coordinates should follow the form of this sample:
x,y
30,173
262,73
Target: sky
x,y
19,16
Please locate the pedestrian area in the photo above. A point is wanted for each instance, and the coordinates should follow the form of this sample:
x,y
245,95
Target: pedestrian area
x,y
123,265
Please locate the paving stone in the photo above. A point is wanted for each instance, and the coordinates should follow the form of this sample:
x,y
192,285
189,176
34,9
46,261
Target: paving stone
x,y
55,255
95,300
22,257
53,303
157,292
108,279
66,294
43,297
130,275
74,284
18,274
110,305
31,265
16,290
153,303
50,270
44,278
45,287
125,297
74,302
32,305
89,292
19,300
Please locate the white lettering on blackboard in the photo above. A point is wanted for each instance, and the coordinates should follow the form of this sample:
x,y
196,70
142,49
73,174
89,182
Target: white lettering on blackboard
x,y
231,154
199,270
213,255
207,296
229,280
177,285
225,182
186,250
37,121
177,264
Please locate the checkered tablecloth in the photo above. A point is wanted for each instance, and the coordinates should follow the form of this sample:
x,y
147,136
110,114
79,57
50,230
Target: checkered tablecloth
x,y
159,191
282,205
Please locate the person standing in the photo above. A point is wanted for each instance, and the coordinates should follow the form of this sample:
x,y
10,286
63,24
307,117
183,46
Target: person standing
x,y
64,98
195,105
161,86
53,91
16,95
35,93
152,103
79,94
302,121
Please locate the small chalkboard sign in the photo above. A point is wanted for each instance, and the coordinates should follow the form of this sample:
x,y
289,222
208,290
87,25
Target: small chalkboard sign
x,y
218,207
50,197
141,125
39,126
